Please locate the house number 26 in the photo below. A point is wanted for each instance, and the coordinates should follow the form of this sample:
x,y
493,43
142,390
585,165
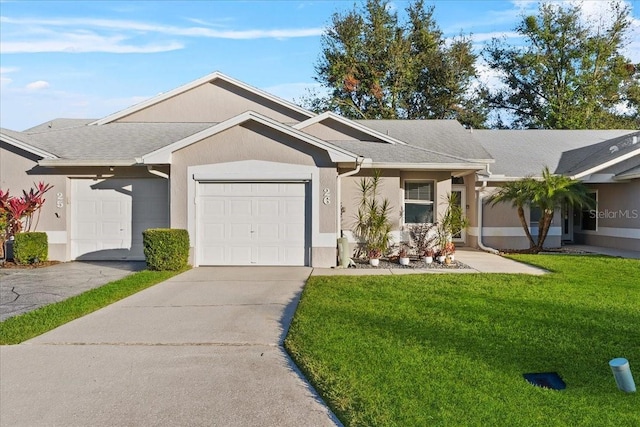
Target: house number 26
x,y
326,196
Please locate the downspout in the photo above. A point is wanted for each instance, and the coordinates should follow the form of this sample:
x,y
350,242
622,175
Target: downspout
x,y
359,162
480,209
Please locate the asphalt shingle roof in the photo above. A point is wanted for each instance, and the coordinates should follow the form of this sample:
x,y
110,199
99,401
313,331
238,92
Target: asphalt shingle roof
x,y
115,141
520,153
444,136
383,152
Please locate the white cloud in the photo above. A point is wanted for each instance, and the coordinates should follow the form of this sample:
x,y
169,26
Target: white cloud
x,y
116,36
79,43
4,79
38,85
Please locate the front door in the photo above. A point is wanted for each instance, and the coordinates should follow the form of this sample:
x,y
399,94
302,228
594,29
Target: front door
x,y
461,199
567,222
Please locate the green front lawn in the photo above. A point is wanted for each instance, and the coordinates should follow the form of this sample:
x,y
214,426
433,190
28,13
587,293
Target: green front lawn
x,y
450,349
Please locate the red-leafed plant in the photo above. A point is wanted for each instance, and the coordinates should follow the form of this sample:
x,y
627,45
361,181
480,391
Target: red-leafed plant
x,y
17,213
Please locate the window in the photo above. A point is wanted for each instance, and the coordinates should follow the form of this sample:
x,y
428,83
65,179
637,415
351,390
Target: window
x,y
535,213
418,202
589,215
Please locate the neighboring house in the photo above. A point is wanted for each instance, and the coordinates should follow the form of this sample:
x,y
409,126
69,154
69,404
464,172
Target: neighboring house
x,y
607,161
257,180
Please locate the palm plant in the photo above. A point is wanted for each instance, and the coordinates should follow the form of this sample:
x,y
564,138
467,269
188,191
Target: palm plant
x,y
372,222
548,193
452,221
519,193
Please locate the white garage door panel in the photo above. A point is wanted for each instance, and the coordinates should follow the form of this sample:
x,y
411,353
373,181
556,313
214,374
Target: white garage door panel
x,y
108,216
251,224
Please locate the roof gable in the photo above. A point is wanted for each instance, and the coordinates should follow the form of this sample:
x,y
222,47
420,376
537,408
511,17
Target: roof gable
x,y
594,158
288,110
344,126
163,155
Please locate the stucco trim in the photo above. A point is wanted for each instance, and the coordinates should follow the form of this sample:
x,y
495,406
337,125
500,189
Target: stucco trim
x,y
199,82
56,237
26,147
261,171
629,233
328,115
164,154
511,231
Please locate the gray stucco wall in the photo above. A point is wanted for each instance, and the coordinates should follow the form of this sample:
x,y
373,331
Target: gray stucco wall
x,y
19,171
212,102
618,217
252,141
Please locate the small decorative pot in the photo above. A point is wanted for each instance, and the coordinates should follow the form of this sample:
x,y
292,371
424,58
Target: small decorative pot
x,y
428,259
404,261
374,262
452,257
441,259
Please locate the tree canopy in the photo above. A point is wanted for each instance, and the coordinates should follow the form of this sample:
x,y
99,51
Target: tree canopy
x,y
569,74
377,67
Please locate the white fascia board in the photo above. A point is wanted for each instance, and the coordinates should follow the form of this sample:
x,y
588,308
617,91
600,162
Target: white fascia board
x,y
26,147
605,165
199,82
349,123
163,155
626,176
426,166
602,178
68,162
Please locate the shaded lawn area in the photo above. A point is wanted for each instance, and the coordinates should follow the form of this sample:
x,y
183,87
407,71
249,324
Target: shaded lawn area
x,y
450,349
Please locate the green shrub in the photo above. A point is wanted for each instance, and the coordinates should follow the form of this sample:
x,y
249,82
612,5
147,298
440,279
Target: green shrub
x,y
166,249
30,247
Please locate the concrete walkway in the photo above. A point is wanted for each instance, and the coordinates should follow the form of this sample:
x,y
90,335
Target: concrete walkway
x,y
201,349
621,253
478,261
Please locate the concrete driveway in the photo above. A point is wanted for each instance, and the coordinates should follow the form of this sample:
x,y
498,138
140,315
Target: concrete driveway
x,y
201,349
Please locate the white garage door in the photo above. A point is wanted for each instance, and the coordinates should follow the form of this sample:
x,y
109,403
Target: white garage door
x,y
108,216
251,224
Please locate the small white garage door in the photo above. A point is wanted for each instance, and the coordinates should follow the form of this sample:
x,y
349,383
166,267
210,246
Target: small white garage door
x,y
251,224
108,216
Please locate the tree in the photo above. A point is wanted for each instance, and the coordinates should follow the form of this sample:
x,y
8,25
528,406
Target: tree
x,y
570,74
548,194
376,67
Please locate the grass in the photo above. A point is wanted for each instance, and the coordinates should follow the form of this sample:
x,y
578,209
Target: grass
x,y
429,350
20,328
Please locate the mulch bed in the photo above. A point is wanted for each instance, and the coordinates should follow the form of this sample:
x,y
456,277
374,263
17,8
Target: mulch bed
x,y
413,264
13,265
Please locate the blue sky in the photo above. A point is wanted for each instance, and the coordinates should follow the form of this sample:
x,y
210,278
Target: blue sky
x,y
87,59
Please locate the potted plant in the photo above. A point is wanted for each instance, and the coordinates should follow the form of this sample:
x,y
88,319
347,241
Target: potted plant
x,y
449,252
374,256
428,256
403,255
424,237
441,256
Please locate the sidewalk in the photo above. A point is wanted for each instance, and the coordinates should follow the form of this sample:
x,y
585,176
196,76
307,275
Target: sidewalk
x,y
478,261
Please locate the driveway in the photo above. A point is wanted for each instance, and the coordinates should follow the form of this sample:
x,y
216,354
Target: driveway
x,y
23,290
201,349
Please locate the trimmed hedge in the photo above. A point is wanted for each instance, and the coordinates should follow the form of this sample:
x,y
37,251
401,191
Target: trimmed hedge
x,y
30,247
166,249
